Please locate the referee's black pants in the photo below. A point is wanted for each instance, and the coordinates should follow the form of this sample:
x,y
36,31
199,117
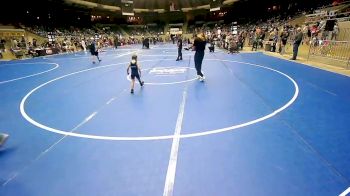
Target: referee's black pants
x,y
198,59
179,54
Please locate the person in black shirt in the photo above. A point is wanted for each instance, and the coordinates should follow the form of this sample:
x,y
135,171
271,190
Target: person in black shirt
x,y
94,52
116,40
297,40
172,38
146,43
2,47
199,46
135,72
212,45
284,39
34,43
179,49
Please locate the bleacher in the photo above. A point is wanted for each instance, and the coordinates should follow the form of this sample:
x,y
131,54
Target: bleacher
x,y
7,34
329,12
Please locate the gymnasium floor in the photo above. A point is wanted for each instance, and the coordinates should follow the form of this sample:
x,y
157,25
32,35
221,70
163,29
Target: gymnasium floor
x,y
258,125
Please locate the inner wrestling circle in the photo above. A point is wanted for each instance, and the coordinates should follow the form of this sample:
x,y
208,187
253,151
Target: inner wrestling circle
x,y
167,71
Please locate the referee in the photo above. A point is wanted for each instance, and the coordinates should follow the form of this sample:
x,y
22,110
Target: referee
x,y
199,47
179,49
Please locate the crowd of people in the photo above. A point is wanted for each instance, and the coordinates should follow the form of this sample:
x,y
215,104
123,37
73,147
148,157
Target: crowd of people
x,y
145,31
272,35
74,39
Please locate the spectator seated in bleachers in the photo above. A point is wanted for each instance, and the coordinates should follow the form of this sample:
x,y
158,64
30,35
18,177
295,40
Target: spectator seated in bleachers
x,y
17,52
2,48
31,51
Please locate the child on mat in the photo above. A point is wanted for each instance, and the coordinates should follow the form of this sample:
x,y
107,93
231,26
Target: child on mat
x,y
135,72
94,52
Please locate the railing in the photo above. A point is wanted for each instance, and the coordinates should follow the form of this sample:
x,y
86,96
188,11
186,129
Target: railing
x,y
329,6
332,50
343,35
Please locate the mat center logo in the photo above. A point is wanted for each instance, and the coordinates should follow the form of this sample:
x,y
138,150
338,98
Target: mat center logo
x,y
167,71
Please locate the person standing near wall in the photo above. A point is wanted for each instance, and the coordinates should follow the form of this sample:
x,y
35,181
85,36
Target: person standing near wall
x,y
335,32
297,40
284,39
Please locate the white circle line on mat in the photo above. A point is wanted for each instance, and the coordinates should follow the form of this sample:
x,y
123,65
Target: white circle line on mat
x,y
32,75
166,83
162,137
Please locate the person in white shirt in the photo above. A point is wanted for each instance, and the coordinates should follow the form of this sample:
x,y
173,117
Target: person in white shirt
x,y
335,32
15,43
83,44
